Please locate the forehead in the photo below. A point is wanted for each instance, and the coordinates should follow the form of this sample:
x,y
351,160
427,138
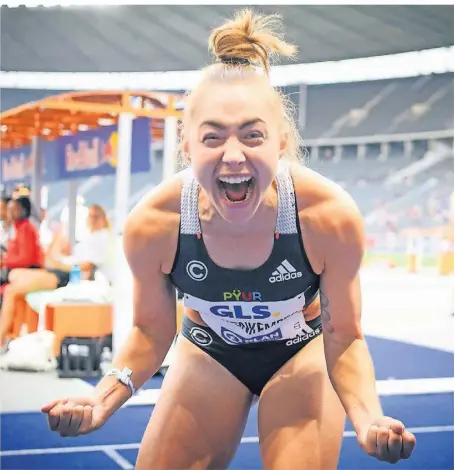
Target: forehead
x,y
94,211
233,103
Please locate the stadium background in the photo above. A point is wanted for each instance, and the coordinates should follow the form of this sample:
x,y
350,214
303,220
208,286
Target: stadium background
x,y
359,133
389,142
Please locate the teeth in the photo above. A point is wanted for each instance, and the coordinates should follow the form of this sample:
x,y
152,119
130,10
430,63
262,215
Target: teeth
x,y
238,202
234,179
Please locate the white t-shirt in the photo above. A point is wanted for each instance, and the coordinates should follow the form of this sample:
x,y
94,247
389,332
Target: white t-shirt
x,y
98,248
45,234
4,235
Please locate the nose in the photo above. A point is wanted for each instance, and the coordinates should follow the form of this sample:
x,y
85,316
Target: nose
x,y
233,154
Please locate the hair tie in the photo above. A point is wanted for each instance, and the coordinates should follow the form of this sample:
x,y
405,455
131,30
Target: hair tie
x,y
234,60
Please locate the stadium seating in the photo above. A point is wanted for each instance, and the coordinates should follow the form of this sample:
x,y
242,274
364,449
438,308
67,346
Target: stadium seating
x,y
384,107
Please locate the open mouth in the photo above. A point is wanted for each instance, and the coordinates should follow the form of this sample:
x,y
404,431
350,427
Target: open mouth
x,y
236,189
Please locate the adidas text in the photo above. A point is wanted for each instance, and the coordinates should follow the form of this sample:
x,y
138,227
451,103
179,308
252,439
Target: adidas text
x,y
285,277
305,337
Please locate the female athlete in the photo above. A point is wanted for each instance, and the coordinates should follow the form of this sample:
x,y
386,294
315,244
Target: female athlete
x,y
266,254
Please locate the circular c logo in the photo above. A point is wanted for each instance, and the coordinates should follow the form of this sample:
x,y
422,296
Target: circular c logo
x,y
231,337
196,270
201,336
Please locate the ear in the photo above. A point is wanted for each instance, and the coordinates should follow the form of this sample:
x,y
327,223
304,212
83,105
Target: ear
x,y
283,143
184,148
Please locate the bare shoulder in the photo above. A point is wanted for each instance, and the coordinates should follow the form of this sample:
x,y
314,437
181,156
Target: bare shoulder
x,y
151,229
329,217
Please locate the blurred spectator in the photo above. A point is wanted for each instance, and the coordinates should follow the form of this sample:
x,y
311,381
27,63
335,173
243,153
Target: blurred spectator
x,y
415,211
23,248
95,252
21,190
433,206
98,245
81,218
327,154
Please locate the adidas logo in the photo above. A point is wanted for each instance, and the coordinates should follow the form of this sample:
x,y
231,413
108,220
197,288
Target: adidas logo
x,y
284,272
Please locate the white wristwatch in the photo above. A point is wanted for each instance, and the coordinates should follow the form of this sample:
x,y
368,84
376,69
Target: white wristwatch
x,y
124,376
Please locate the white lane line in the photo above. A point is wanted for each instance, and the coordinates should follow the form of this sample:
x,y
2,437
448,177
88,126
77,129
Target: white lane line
x,y
417,430
69,450
245,440
384,388
118,459
415,386
389,387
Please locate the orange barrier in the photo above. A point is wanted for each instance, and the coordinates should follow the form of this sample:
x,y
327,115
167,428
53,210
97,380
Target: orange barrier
x,y
78,320
85,320
414,254
445,258
413,262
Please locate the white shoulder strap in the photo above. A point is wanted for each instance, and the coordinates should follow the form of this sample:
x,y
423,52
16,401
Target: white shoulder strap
x,y
189,213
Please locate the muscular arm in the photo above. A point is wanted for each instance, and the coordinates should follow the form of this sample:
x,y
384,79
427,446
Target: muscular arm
x,y
154,320
349,362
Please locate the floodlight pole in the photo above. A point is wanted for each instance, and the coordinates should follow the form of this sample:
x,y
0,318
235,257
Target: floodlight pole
x,y
170,146
72,190
36,174
123,298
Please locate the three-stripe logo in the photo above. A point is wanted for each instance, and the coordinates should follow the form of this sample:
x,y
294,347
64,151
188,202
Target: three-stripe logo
x,y
284,272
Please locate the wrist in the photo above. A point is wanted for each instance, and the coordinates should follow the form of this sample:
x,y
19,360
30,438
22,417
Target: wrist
x,y
362,422
111,394
123,376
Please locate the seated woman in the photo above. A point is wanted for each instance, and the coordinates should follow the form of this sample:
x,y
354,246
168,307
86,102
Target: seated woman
x,y
23,249
93,252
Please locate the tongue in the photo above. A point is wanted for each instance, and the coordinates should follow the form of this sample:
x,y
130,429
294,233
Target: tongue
x,y
237,191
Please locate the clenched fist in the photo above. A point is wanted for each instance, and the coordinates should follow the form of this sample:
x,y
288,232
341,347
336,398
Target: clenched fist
x,y
387,440
75,416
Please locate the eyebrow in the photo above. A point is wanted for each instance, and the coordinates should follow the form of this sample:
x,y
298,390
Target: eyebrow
x,y
219,125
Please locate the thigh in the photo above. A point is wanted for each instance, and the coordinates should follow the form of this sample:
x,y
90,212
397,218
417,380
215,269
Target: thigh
x,y
28,280
300,418
200,415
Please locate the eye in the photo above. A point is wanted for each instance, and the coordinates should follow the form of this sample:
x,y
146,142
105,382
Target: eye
x,y
212,140
209,137
254,135
253,138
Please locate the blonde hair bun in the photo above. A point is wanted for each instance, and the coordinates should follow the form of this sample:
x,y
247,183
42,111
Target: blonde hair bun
x,y
250,38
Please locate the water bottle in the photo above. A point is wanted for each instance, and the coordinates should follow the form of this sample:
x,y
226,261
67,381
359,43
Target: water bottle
x,y
75,274
105,360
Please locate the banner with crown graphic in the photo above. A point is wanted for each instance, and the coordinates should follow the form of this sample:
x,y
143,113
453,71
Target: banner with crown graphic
x,y
17,165
94,152
81,155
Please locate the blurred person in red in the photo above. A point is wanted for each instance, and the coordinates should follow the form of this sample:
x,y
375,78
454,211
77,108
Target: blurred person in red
x,y
23,249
